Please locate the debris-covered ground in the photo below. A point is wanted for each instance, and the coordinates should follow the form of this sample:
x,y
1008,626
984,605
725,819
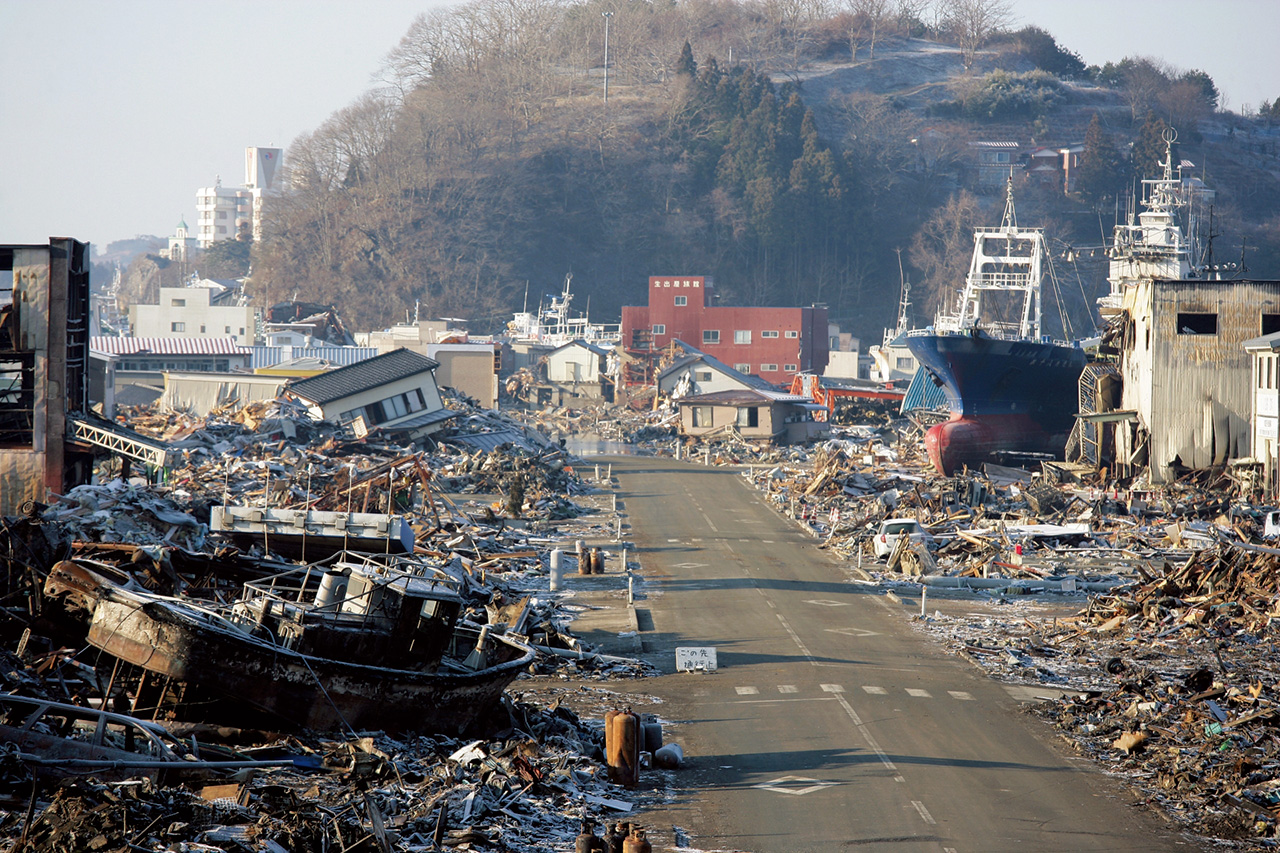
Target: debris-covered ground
x,y
487,504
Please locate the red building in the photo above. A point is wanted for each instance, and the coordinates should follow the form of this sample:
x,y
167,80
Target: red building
x,y
772,343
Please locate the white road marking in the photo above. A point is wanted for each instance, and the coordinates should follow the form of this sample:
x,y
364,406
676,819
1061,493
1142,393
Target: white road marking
x,y
874,690
832,688
794,785
746,691
853,632
918,693
787,688
826,602
866,735
961,694
924,813
795,638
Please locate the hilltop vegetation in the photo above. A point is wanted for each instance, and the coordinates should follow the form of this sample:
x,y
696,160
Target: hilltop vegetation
x,y
785,148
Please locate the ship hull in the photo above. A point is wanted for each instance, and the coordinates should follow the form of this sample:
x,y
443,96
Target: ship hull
x,y
1005,396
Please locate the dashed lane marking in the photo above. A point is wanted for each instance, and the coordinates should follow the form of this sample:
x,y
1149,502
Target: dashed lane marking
x,y
874,689
918,693
787,688
747,691
961,694
832,688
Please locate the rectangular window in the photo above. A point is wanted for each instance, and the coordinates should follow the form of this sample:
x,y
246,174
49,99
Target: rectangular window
x,y
773,334
1270,324
702,416
748,416
659,328
789,368
682,300
711,336
904,362
178,303
702,375
742,336
1193,323
228,330
177,327
792,333
742,368
768,368
202,328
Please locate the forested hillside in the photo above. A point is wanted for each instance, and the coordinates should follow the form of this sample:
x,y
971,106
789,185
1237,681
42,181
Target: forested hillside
x,y
786,148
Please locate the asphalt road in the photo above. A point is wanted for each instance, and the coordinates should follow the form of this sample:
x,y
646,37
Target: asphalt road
x,y
830,723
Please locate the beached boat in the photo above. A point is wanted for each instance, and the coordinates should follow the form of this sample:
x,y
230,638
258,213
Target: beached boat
x,y
1010,389
357,642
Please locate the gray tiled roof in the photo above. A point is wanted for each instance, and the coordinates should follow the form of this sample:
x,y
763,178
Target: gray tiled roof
x,y
361,376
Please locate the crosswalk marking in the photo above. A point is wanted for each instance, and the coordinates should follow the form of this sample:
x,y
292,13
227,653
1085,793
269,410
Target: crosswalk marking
x,y
874,690
832,688
787,688
961,694
746,691
918,693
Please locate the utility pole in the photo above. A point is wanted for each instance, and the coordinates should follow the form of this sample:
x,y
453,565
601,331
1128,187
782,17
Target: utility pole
x,y
606,16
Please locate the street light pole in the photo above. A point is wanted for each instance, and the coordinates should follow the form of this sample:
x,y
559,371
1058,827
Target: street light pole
x,y
606,16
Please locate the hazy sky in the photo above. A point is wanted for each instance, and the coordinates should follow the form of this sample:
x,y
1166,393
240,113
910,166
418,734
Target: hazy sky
x,y
113,112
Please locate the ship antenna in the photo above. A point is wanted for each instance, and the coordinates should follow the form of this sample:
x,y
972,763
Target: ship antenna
x,y
906,293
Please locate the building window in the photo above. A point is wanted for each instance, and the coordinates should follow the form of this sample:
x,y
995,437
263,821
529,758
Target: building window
x,y
242,330
202,328
742,368
711,336
769,334
789,368
682,300
748,416
659,328
904,362
742,336
177,327
768,368
1270,324
222,214
1192,323
178,303
702,416
228,328
792,333
702,375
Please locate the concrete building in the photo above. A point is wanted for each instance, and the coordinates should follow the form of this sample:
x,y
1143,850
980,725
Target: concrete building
x,y
208,308
224,213
1186,372
44,370
395,393
772,343
1264,355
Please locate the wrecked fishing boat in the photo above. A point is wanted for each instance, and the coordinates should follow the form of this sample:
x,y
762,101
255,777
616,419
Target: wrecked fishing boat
x,y
357,641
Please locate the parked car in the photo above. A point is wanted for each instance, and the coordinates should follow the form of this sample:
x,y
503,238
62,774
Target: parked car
x,y
891,528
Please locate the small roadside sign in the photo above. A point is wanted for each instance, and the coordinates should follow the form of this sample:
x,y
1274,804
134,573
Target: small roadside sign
x,y
696,658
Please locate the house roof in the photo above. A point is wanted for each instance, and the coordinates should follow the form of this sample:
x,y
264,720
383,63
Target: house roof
x,y
743,397
361,376
167,346
716,364
418,421
578,342
1265,343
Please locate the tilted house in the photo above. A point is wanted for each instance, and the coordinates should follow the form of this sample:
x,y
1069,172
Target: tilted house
x,y
579,369
755,415
395,392
699,373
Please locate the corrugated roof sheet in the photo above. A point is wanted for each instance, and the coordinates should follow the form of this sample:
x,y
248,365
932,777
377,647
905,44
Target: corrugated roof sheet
x,y
490,441
338,356
742,397
361,376
167,346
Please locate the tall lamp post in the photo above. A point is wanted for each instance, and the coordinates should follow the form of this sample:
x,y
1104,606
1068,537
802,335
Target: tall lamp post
x,y
606,16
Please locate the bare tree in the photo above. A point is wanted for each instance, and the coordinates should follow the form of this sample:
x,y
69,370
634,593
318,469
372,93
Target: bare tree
x,y
972,21
869,18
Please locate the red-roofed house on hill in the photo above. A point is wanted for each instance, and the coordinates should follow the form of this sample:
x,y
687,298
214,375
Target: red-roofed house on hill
x,y
772,343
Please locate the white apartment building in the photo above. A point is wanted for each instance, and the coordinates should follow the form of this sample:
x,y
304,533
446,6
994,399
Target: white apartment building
x,y
224,212
207,309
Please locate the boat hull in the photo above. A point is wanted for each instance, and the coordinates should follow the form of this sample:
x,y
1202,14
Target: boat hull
x,y
1005,396
197,648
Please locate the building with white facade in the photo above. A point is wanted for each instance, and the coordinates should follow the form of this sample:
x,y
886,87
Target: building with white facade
x,y
208,308
225,212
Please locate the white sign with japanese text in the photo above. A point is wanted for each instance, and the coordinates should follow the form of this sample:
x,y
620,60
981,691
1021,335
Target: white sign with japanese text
x,y
695,658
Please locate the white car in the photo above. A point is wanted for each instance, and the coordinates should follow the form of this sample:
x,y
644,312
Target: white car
x,y
891,528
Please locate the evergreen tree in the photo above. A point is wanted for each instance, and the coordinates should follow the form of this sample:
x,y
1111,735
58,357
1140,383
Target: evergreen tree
x,y
685,64
1149,148
1099,174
